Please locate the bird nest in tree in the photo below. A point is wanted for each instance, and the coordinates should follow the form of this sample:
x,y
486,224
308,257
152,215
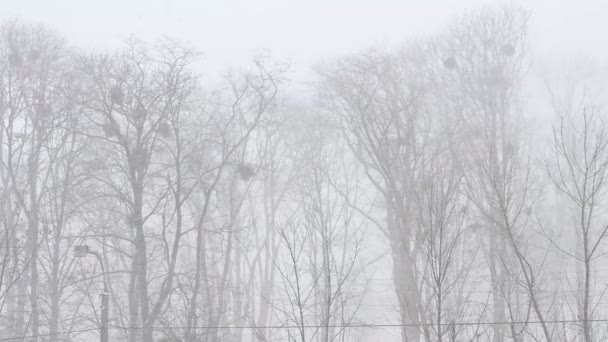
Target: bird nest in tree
x,y
131,220
164,129
33,55
108,129
246,172
449,63
139,112
43,110
508,50
15,59
116,96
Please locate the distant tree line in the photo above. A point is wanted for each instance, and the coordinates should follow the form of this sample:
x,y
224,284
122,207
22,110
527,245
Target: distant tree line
x,y
245,212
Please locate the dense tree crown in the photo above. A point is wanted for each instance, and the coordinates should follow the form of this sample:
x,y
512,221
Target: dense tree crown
x,y
408,199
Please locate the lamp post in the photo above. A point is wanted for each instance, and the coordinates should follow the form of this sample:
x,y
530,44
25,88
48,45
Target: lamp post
x,y
81,251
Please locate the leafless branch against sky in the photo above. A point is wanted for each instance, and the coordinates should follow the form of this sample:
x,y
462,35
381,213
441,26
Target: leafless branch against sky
x,y
320,171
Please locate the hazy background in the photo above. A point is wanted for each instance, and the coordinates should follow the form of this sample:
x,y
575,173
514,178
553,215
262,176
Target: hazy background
x,y
229,32
303,32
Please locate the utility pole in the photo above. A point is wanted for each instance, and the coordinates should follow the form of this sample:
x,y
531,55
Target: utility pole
x,y
80,252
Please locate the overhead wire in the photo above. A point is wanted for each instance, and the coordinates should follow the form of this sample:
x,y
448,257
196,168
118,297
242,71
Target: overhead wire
x,y
315,326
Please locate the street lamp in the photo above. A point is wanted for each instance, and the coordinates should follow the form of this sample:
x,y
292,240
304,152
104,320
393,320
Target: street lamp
x,y
81,251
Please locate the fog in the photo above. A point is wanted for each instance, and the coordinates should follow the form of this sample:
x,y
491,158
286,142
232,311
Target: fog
x,y
318,171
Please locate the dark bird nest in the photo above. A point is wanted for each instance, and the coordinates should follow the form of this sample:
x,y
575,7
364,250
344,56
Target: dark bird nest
x,y
508,50
116,96
164,130
246,172
108,129
15,59
449,63
34,55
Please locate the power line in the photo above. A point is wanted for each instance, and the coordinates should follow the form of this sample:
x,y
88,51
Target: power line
x,y
46,335
341,326
361,325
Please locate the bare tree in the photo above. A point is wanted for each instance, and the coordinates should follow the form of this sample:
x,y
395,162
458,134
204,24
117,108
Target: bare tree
x,y
276,173
483,58
135,98
379,99
442,216
235,113
579,166
322,238
40,105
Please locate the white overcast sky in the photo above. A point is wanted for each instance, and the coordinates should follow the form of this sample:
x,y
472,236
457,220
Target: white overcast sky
x,y
230,31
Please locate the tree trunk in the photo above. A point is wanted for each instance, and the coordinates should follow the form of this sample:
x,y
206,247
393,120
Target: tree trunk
x,y
34,222
404,275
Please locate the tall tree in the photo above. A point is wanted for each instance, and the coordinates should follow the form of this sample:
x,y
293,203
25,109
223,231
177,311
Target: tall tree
x,y
135,97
